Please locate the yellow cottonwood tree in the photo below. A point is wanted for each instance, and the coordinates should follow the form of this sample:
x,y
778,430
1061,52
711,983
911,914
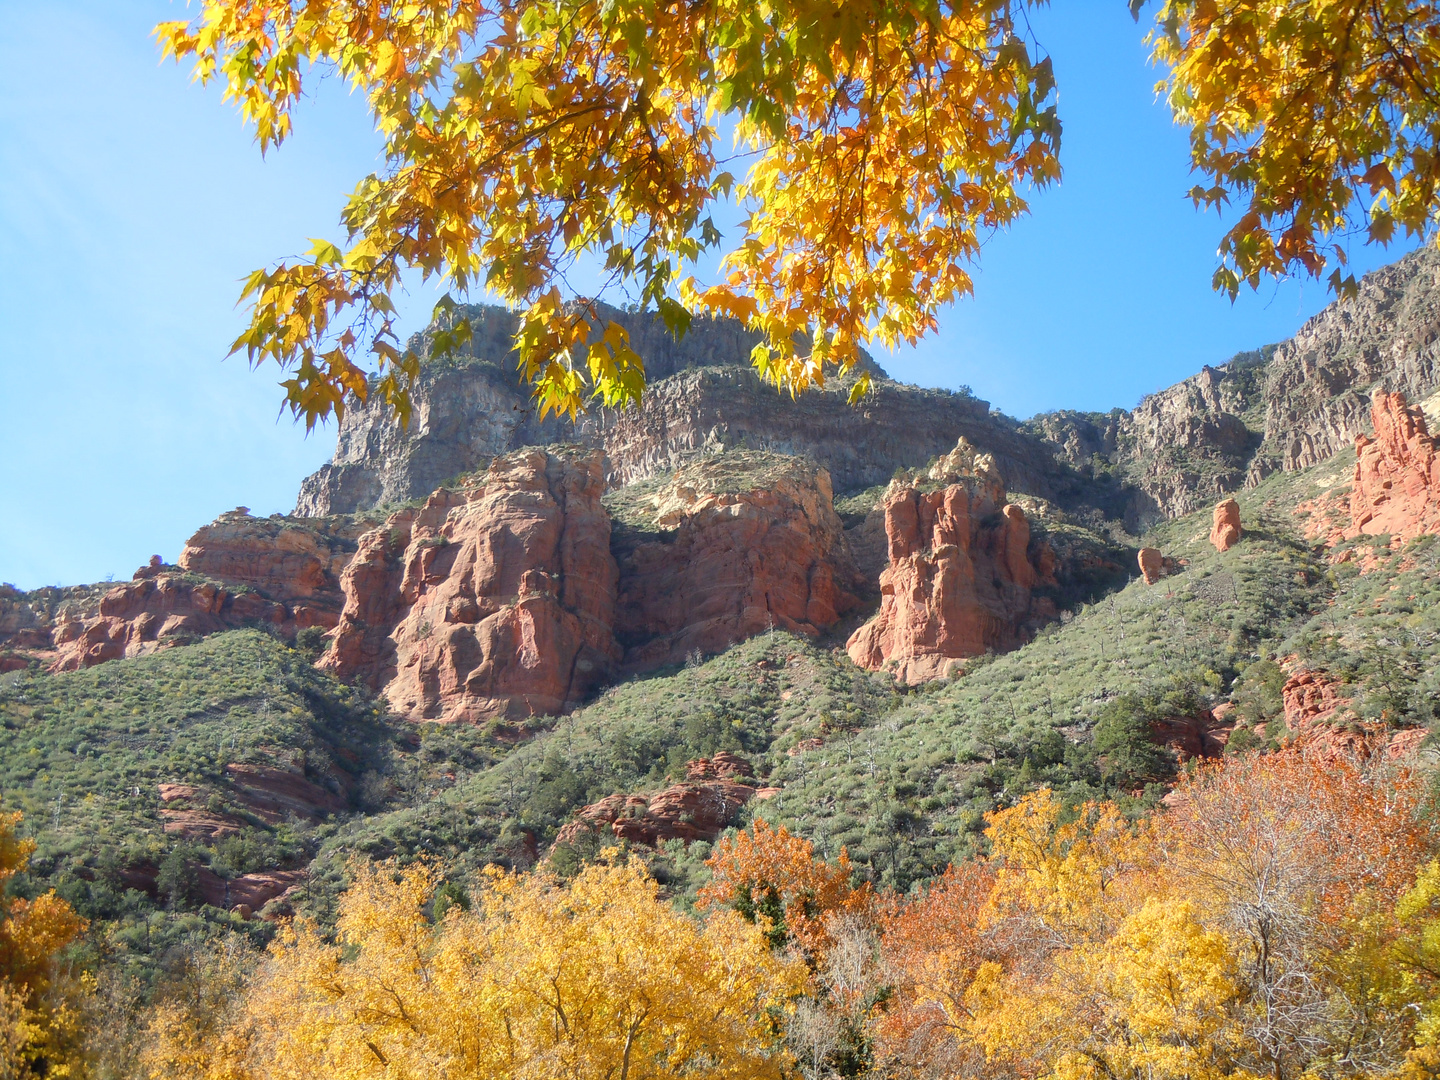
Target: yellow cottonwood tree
x,y
875,143
596,979
33,1024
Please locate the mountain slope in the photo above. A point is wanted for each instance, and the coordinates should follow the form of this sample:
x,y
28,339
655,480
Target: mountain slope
x,y
1282,408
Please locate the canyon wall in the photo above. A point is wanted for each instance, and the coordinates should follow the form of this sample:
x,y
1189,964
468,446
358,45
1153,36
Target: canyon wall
x,y
702,396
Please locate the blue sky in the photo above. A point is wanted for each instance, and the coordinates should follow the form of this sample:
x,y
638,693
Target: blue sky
x,y
132,202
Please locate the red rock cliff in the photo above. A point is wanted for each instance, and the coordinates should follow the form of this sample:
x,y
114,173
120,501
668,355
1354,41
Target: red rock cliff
x,y
498,601
295,562
158,609
730,564
273,572
1397,473
959,580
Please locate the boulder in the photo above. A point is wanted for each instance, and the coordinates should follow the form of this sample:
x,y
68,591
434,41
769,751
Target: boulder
x,y
1154,564
959,580
1225,531
498,601
700,808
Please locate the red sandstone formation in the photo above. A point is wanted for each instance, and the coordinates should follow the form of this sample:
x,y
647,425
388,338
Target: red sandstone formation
x,y
498,601
1314,710
1397,474
1154,565
266,571
1202,735
273,795
156,610
1311,697
733,564
698,809
247,893
1225,532
200,824
959,580
297,563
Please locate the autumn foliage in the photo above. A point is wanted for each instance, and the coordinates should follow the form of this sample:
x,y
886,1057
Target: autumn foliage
x,y
769,875
1317,119
870,146
595,979
1279,918
33,1020
1259,927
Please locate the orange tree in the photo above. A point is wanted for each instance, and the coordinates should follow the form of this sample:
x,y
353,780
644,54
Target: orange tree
x,y
775,879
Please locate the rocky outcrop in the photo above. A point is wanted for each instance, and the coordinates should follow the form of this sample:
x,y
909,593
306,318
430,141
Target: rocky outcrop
x,y
960,576
273,795
1396,487
1279,409
247,893
1225,529
496,601
28,620
297,562
1321,722
158,609
700,808
1202,734
1155,564
273,572
1311,697
742,544
1176,451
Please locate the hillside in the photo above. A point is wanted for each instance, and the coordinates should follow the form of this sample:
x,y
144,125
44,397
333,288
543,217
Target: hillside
x,y
512,644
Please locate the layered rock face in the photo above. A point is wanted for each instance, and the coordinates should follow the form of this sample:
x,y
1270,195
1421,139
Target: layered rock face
x,y
727,564
702,396
1315,702
498,601
700,808
471,408
1225,530
28,620
298,564
959,579
158,609
1396,487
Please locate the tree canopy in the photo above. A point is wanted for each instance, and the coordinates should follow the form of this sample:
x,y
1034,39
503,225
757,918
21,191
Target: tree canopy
x,y
872,145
